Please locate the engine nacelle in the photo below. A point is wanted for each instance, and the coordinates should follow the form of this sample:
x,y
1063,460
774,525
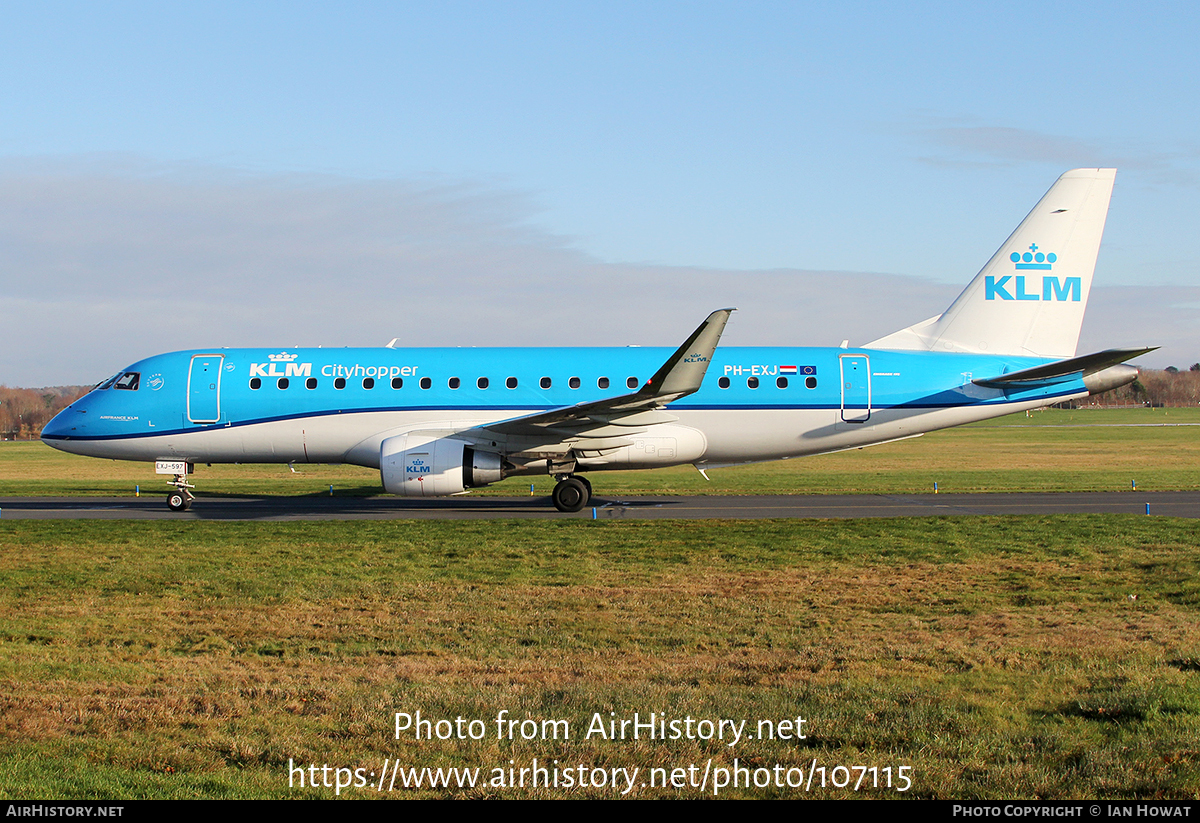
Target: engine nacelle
x,y
423,464
1111,378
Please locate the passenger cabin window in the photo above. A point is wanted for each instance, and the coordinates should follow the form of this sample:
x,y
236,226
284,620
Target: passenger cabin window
x,y
723,382
781,382
397,382
340,383
454,382
810,382
482,382
632,382
255,383
602,383
368,382
544,382
310,383
511,382
573,382
426,382
752,382
282,383
128,381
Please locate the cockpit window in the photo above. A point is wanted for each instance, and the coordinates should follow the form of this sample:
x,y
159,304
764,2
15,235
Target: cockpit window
x,y
128,381
106,383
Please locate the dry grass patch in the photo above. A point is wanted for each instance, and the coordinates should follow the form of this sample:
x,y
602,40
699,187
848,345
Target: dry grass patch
x,y
998,657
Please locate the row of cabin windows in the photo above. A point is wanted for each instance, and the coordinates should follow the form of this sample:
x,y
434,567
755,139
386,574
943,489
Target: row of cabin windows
x,y
781,382
427,383
511,383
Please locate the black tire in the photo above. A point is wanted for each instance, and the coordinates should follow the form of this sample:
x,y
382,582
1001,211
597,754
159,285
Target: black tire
x,y
570,495
178,502
587,484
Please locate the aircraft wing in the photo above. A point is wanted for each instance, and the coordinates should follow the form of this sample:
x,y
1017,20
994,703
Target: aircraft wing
x,y
679,376
1053,372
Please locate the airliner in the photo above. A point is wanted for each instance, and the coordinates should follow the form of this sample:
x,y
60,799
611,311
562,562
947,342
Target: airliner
x,y
443,421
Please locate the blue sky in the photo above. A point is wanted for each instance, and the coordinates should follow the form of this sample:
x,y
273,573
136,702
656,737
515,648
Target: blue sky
x,y
568,145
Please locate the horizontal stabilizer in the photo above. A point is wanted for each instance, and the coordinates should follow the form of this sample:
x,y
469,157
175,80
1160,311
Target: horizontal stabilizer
x,y
1050,372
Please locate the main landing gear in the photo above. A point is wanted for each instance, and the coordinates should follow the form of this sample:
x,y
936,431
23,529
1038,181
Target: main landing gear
x,y
571,494
181,499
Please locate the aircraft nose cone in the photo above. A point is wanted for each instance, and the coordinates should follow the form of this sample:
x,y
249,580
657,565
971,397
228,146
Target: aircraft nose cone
x,y
53,429
61,426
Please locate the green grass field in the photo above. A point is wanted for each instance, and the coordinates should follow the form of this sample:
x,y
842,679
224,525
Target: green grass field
x,y
1047,451
992,657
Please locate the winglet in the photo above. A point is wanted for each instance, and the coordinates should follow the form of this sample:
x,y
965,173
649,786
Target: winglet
x,y
678,377
684,371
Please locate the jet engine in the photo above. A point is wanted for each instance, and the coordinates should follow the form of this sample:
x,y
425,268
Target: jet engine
x,y
1111,378
423,464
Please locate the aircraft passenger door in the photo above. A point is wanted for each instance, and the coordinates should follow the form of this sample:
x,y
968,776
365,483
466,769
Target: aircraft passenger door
x,y
856,388
204,388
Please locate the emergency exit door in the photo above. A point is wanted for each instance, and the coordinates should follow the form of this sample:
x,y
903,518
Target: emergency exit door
x,y
856,388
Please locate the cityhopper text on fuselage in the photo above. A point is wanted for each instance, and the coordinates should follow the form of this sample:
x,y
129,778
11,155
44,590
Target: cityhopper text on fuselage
x,y
443,421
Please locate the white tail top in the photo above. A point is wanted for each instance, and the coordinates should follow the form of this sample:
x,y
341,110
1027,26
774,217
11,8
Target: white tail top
x,y
1030,297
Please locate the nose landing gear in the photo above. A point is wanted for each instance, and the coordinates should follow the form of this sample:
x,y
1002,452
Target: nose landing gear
x,y
181,499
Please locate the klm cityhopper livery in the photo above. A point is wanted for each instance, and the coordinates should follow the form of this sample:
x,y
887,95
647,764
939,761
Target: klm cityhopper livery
x,y
442,421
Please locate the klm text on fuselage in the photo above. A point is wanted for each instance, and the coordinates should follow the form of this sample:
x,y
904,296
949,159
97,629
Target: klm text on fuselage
x,y
331,370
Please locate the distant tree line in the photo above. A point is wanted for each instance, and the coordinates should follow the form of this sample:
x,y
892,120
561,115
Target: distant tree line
x,y
1169,387
23,412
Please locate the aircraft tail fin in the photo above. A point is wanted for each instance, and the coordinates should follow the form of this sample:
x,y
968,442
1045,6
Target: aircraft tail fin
x,y
1030,297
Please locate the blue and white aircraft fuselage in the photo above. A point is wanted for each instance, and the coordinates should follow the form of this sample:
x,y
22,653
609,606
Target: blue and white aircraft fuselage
x,y
440,421
297,412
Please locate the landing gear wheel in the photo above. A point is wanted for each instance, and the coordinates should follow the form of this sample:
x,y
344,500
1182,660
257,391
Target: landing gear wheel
x,y
587,484
181,499
570,495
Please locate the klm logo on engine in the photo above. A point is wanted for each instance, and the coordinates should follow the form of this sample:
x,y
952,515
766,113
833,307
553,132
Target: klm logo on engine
x,y
1053,289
